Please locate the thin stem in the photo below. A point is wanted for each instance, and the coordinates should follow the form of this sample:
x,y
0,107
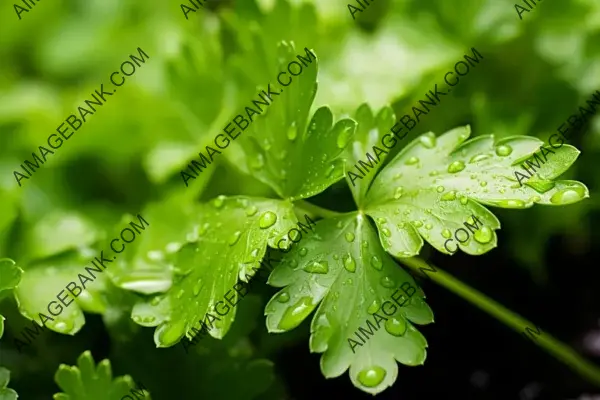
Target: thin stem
x,y
561,351
316,210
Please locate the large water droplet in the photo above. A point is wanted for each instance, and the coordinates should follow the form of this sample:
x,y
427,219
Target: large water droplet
x,y
317,267
293,315
349,263
292,132
479,157
267,220
283,297
412,161
349,237
168,334
374,307
450,196
398,193
371,377
376,263
428,140
483,235
567,196
503,150
396,326
428,226
456,166
233,239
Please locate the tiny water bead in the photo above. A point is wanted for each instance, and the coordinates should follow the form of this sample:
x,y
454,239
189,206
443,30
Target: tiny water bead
x,y
376,263
568,196
464,200
386,232
252,210
398,193
428,226
374,307
218,202
440,189
349,237
456,166
303,251
267,220
412,161
503,150
372,376
349,263
483,183
258,162
283,297
417,224
483,235
317,267
292,132
396,326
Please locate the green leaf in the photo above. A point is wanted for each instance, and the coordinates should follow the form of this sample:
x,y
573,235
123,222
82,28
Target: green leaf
x,y
369,132
343,267
5,392
229,239
88,382
43,281
10,276
297,158
435,185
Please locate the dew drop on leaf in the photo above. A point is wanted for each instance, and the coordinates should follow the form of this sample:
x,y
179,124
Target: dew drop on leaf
x,y
428,226
168,334
398,193
252,210
396,326
339,224
483,183
456,166
336,257
317,267
293,315
503,150
372,376
63,326
258,162
428,140
344,137
349,263
364,244
374,307
567,196
235,238
398,176
179,294
293,263
412,161
267,220
483,235
283,297
464,200
450,196
155,300
535,199
386,232
292,132
387,282
376,263
349,237
417,224
218,202
479,157
446,233
434,173
440,189
381,221
303,251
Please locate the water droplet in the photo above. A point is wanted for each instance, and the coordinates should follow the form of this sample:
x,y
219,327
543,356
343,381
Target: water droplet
x,y
397,176
349,263
535,199
434,173
330,170
339,224
349,237
293,315
252,210
428,140
446,233
386,232
387,282
381,221
479,157
510,203
233,239
371,377
398,193
503,150
155,255
303,251
374,307
292,132
483,183
63,326
344,137
283,297
196,289
155,300
464,200
412,161
376,263
456,166
483,235
396,326
258,162
204,229
440,189
567,196
364,244
450,196
417,224
218,202
336,257
168,334
428,226
179,294
401,225
317,267
293,263
267,220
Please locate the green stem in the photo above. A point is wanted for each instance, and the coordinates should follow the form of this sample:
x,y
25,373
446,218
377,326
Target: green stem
x,y
561,351
316,210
